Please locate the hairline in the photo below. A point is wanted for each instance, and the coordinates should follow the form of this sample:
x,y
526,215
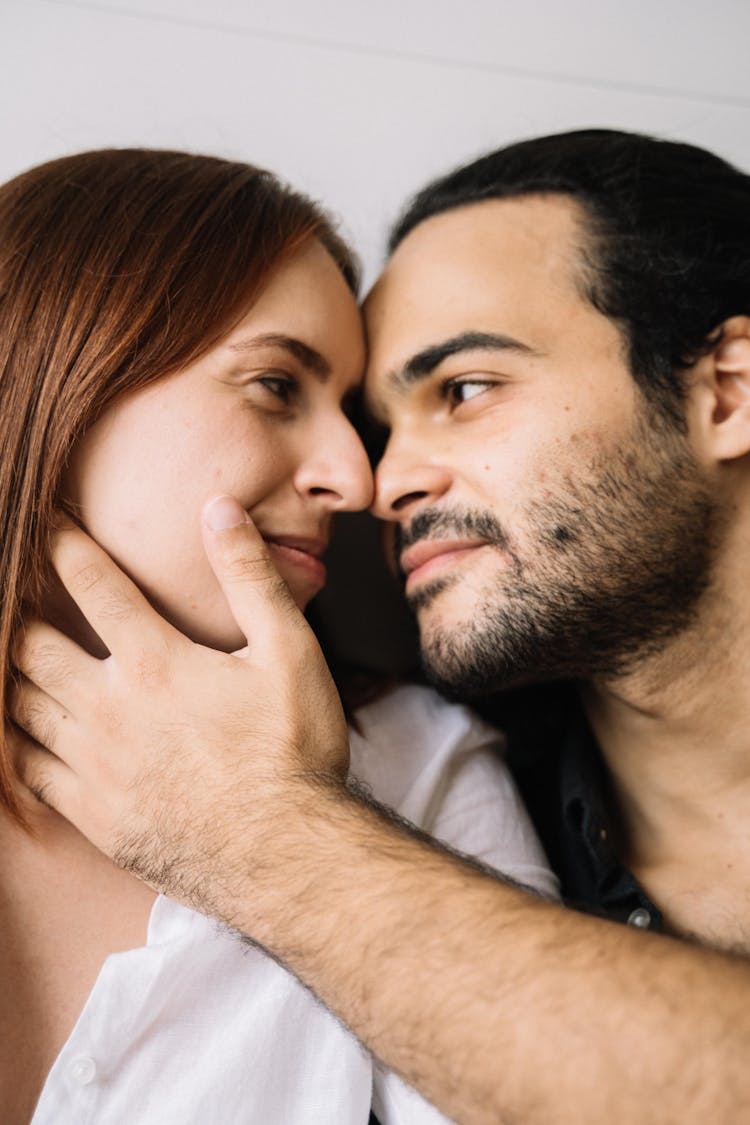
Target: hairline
x,y
585,265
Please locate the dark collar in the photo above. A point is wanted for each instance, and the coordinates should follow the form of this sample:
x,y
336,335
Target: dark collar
x,y
563,780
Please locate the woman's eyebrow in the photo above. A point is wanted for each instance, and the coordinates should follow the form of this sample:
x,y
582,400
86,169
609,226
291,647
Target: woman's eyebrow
x,y
303,353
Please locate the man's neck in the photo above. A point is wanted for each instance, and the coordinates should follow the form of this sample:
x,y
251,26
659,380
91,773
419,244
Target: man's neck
x,y
675,737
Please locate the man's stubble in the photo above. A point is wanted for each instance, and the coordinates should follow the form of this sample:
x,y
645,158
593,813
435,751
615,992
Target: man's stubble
x,y
611,565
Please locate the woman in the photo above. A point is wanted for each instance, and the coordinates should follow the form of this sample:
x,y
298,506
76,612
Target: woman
x,y
174,326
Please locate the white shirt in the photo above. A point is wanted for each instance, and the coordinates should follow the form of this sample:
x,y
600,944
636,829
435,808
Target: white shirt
x,y
198,1028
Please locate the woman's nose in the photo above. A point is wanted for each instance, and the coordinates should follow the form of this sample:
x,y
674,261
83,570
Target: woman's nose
x,y
338,469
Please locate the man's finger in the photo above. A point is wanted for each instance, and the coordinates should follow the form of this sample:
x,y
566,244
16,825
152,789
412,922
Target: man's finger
x,y
51,781
112,604
252,585
37,714
52,661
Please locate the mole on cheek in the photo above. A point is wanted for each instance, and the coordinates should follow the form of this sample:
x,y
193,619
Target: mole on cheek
x,y
563,535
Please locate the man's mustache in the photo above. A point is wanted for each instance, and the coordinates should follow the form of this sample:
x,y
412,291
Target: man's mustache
x,y
438,523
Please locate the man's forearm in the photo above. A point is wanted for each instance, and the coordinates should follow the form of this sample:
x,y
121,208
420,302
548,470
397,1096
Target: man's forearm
x,y
496,1005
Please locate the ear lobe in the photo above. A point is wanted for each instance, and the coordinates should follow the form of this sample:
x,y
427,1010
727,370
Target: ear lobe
x,y
729,372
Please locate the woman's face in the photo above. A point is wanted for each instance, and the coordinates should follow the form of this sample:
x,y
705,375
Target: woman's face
x,y
260,416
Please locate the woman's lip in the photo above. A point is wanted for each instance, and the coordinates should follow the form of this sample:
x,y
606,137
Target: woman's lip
x,y
426,559
303,561
310,545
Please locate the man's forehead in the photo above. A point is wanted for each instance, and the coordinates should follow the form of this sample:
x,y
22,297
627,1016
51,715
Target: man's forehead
x,y
496,265
540,230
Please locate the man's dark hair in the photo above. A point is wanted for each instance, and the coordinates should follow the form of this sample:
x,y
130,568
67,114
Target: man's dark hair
x,y
668,252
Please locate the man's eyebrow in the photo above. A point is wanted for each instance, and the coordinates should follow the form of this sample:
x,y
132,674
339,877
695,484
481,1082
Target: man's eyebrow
x,y
303,353
423,363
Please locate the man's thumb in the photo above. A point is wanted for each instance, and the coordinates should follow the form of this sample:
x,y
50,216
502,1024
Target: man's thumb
x,y
256,592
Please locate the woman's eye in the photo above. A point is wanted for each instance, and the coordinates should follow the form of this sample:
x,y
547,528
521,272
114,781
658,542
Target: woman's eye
x,y
281,387
461,390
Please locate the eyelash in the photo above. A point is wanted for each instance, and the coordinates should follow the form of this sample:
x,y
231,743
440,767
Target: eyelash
x,y
452,385
282,387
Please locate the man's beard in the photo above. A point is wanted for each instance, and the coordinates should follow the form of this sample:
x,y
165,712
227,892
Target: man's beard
x,y
612,567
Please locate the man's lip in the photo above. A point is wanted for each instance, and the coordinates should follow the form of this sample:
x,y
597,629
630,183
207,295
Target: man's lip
x,y
428,549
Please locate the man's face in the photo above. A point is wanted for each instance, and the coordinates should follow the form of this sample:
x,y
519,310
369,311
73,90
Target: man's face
x,y
551,524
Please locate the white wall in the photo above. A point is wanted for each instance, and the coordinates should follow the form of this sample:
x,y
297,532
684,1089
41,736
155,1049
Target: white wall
x,y
360,103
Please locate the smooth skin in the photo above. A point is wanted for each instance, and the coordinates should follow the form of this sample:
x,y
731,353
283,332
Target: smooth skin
x,y
499,1007
261,415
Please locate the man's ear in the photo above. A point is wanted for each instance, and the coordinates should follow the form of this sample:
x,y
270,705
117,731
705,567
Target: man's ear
x,y
724,377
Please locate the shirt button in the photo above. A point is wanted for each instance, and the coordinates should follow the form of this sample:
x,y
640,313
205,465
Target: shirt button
x,y
639,917
82,1070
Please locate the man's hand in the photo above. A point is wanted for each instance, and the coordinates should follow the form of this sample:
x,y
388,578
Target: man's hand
x,y
155,752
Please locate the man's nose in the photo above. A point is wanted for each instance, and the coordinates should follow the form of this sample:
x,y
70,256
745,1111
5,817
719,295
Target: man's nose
x,y
407,477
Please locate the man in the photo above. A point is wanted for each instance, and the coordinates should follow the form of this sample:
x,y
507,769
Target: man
x,y
560,354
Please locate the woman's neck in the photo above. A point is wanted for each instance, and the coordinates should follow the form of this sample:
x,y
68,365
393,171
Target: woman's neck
x,y
64,908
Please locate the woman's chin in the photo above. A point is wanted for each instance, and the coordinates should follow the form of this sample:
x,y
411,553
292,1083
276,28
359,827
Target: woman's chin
x,y
218,629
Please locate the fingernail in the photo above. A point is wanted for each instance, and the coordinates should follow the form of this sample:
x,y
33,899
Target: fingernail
x,y
224,512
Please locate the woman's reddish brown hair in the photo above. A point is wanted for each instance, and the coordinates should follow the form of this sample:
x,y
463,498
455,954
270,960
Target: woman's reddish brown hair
x,y
116,267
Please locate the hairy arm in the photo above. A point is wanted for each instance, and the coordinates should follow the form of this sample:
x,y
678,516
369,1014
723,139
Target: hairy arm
x,y
220,780
498,1006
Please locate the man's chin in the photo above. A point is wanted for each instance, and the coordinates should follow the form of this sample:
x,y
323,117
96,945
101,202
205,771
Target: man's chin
x,y
474,654
448,655
444,604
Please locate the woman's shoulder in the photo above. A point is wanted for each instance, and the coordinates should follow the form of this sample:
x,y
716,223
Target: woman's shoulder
x,y
441,767
415,715
409,732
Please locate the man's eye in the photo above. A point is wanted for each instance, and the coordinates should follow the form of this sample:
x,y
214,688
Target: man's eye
x,y
458,391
